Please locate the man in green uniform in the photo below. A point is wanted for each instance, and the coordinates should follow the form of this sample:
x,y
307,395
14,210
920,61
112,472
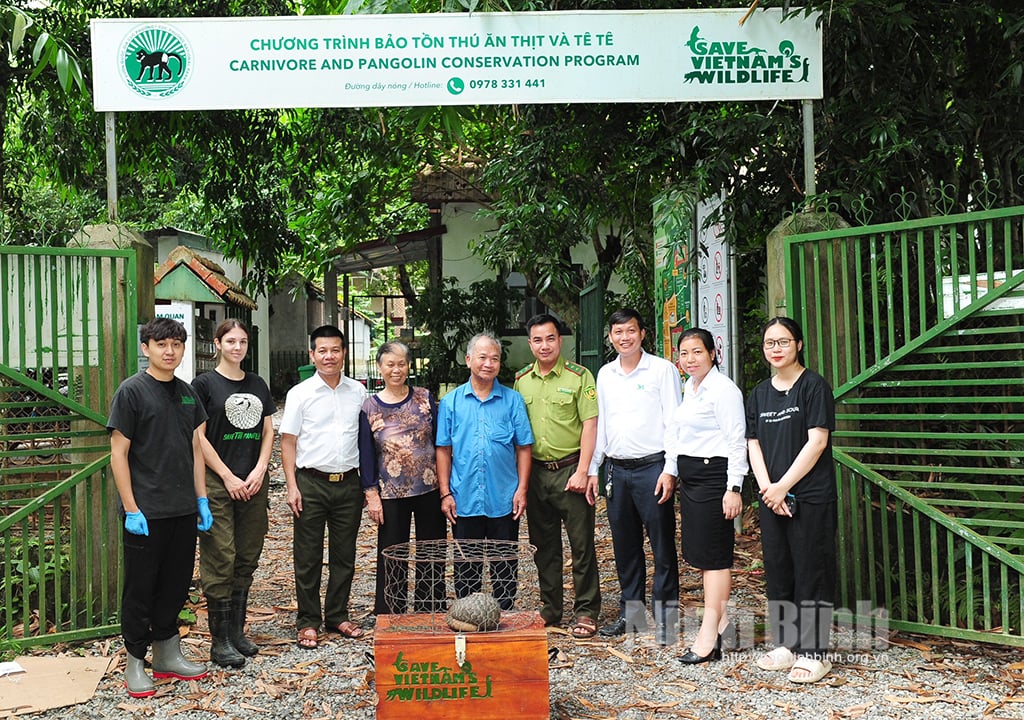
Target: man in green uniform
x,y
562,405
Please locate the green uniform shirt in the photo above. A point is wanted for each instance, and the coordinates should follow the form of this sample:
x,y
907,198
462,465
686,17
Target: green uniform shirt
x,y
557,404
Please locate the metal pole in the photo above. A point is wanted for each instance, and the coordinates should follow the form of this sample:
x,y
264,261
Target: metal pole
x,y
348,325
110,143
331,296
810,185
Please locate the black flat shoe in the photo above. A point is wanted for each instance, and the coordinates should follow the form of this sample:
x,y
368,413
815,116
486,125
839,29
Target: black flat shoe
x,y
614,629
692,658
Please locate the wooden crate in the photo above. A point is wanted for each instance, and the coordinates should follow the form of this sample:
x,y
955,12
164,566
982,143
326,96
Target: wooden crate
x,y
505,674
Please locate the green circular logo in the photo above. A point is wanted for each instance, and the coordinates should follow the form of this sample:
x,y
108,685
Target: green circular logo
x,y
456,86
157,62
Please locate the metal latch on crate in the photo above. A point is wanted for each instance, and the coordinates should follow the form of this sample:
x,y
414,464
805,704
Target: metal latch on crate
x,y
460,649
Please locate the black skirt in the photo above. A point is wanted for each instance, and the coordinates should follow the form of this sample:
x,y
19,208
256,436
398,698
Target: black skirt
x,y
707,537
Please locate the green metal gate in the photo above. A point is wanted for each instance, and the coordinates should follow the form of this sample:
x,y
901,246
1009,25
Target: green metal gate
x,y
590,336
68,337
919,326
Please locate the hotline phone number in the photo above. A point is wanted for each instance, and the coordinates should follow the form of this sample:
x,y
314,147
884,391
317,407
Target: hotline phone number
x,y
505,84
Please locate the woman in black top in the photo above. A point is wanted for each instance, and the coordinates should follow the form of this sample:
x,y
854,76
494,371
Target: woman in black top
x,y
236,441
790,419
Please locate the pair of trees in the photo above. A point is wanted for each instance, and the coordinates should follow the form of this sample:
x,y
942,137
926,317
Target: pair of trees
x,y
923,102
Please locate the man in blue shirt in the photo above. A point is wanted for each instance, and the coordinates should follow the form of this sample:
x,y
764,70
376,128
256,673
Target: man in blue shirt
x,y
483,465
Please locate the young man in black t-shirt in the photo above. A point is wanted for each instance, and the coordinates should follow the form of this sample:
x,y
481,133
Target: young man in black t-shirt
x,y
159,472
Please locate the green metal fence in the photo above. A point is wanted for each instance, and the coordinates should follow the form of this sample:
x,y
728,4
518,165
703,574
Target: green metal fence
x,y
68,337
919,326
590,336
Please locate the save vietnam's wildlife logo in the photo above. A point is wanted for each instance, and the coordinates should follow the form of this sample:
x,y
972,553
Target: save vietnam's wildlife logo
x,y
156,61
736,62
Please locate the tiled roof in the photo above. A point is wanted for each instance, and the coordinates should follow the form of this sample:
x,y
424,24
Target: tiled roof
x,y
209,272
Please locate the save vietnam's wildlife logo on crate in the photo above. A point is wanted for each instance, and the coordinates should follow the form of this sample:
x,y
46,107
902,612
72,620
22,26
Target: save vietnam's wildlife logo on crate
x,y
431,681
156,61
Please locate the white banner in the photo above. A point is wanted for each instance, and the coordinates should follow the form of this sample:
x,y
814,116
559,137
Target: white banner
x,y
454,59
714,306
182,311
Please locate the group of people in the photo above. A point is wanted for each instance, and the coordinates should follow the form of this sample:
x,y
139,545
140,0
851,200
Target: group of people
x,y
179,451
476,460
652,437
784,429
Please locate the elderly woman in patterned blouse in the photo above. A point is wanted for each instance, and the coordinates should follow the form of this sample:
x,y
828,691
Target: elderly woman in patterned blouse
x,y
396,462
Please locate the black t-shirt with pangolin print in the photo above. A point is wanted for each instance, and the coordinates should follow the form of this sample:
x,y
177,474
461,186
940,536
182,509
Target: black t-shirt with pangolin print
x,y
779,420
236,410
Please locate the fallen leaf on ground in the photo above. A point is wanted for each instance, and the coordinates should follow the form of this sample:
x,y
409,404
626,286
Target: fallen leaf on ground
x,y
620,655
130,708
912,700
907,642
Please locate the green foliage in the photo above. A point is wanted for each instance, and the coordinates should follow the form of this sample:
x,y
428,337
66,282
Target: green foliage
x,y
44,217
28,50
453,315
918,96
187,616
570,176
34,568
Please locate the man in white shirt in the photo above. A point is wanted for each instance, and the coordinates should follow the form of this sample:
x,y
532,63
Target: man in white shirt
x,y
320,455
636,395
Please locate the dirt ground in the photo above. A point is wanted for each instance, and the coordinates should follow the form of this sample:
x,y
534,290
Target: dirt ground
x,y
910,677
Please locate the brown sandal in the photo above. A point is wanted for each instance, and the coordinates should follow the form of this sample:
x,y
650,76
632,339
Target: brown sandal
x,y
347,629
584,627
308,639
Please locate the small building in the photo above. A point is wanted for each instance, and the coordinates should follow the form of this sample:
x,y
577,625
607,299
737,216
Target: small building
x,y
166,239
194,290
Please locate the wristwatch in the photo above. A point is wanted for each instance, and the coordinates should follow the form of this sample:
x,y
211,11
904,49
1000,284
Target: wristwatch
x,y
735,488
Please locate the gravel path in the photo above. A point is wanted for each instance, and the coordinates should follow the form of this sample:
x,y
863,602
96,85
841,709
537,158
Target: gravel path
x,y
629,678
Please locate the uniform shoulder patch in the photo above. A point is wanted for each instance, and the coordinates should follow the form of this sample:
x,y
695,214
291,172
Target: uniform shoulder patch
x,y
525,371
574,368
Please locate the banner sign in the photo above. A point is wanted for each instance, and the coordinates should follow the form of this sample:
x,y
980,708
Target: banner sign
x,y
673,226
714,305
454,59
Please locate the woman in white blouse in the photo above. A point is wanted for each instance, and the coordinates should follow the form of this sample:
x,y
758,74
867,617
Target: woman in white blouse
x,y
707,435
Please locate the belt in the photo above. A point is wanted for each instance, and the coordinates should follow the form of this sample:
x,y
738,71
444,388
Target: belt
x,y
632,463
329,477
565,462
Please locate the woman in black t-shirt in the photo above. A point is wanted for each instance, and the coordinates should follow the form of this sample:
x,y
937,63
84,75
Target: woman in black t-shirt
x,y
236,440
790,419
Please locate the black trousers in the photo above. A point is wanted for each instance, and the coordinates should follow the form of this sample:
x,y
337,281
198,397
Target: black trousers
x,y
157,575
504,575
633,509
393,575
800,576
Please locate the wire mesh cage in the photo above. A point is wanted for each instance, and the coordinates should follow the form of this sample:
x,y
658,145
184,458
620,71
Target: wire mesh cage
x,y
437,586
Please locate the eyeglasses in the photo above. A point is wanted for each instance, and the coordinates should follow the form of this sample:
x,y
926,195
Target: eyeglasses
x,y
782,343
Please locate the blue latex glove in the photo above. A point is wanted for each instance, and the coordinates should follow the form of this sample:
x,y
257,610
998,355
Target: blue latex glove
x,y
136,524
205,516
